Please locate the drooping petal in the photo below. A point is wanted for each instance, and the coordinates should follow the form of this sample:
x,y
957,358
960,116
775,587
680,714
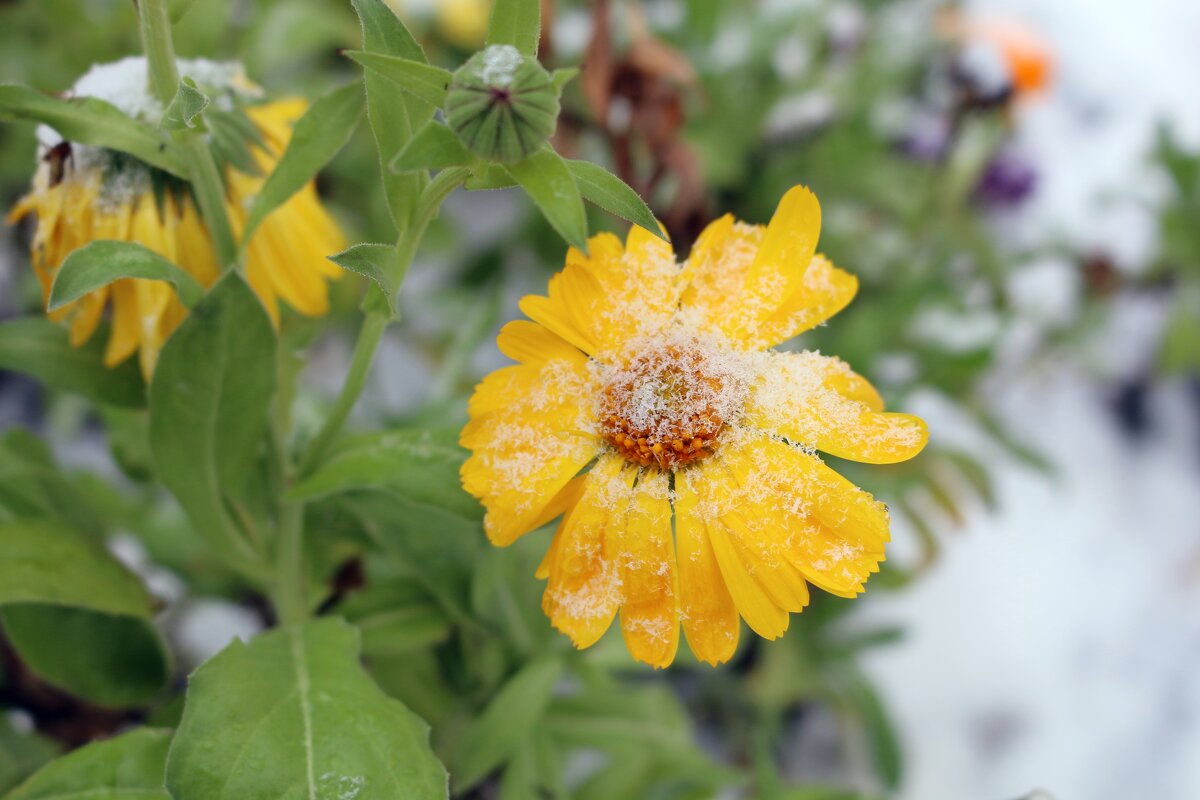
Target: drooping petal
x,y
532,430
601,301
584,589
829,530
710,618
645,555
706,484
818,402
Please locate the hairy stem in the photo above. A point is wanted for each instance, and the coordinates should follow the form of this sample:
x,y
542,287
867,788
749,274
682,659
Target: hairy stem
x,y
154,22
371,332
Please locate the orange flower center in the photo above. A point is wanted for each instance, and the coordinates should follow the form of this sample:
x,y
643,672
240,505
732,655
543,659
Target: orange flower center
x,y
667,405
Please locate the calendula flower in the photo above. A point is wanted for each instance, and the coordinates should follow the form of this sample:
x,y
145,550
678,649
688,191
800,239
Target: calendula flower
x,y
82,194
647,409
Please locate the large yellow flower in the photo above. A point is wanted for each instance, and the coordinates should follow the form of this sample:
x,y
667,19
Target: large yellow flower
x,y
82,194
648,411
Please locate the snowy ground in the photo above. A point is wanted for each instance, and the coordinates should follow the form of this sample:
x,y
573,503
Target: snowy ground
x,y
1057,642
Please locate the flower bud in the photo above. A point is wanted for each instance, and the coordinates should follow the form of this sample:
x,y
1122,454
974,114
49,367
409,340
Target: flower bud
x,y
502,104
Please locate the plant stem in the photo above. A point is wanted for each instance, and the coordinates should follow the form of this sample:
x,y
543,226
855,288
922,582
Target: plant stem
x,y
291,587
371,332
154,22
369,336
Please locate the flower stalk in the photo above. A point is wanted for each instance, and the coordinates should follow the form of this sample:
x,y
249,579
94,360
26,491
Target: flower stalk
x,y
154,22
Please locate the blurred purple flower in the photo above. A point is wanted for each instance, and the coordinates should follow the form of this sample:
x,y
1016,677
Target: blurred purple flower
x,y
1007,181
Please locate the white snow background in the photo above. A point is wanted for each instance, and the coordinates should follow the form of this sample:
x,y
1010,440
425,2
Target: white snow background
x,y
1056,644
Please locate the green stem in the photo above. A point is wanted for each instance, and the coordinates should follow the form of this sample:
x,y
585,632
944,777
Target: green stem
x,y
291,587
154,22
371,332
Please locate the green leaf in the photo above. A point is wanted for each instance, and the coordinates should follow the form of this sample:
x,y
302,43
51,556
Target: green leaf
x,y
33,487
395,616
419,465
561,77
121,768
547,180
423,81
394,115
111,660
231,135
20,753
433,147
508,721
43,561
518,23
41,349
316,138
373,261
91,121
434,547
489,176
99,263
208,408
599,186
292,715
188,104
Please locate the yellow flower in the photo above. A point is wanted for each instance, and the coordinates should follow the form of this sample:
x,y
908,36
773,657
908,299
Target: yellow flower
x,y
648,411
460,22
81,195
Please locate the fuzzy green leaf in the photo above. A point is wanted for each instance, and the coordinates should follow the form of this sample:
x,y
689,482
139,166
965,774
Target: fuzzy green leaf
x,y
424,81
292,715
111,660
419,465
91,121
98,264
188,104
316,139
599,186
394,115
517,23
508,721
561,77
121,768
373,261
433,147
547,180
42,350
208,408
43,561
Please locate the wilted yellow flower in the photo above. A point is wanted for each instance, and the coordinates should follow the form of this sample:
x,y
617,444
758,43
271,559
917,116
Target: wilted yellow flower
x,y
647,409
83,194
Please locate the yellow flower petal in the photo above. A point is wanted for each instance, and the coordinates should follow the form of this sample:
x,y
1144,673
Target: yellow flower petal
x,y
793,508
756,607
645,554
761,286
710,618
819,402
584,590
531,431
530,343
600,302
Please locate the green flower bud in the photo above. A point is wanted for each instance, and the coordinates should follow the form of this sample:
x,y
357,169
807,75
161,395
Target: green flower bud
x,y
501,104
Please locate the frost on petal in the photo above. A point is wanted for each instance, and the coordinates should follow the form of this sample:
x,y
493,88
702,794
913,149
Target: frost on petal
x,y
532,430
645,554
602,300
783,506
819,403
